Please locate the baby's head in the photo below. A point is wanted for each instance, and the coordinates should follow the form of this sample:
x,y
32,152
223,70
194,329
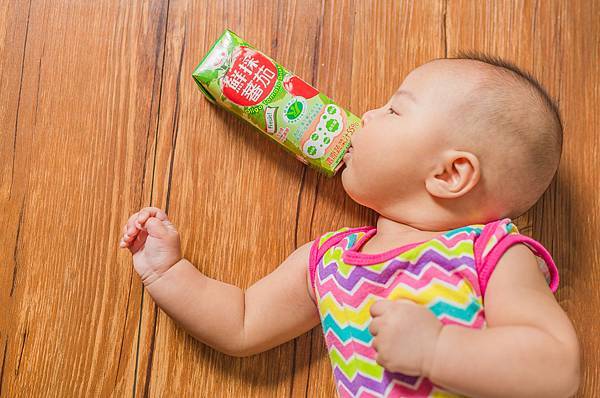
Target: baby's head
x,y
464,140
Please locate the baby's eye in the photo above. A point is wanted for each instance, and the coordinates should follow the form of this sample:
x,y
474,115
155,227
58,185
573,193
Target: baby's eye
x,y
392,111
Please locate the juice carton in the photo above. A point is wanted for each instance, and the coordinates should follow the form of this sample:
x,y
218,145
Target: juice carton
x,y
284,107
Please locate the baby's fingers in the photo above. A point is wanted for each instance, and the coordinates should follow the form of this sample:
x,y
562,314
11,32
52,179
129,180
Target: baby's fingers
x,y
130,228
136,224
129,231
148,212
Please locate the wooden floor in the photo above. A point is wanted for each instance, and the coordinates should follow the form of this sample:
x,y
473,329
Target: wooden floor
x,y
99,116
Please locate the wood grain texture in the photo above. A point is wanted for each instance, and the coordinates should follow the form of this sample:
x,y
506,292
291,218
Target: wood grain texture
x,y
82,114
99,116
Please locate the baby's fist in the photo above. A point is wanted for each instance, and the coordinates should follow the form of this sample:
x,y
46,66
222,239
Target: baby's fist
x,y
153,242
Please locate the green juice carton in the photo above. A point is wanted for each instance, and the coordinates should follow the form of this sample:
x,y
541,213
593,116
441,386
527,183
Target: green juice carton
x,y
281,105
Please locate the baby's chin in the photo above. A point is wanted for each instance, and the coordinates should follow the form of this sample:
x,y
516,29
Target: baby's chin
x,y
344,178
347,183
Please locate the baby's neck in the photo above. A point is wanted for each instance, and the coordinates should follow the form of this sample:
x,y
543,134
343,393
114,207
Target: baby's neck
x,y
386,226
391,234
422,215
389,231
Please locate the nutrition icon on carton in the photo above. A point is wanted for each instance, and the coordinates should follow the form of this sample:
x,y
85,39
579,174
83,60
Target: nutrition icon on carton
x,y
248,83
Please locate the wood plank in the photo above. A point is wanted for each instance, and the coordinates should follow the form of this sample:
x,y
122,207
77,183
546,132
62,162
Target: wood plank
x,y
232,193
14,18
559,43
576,209
80,156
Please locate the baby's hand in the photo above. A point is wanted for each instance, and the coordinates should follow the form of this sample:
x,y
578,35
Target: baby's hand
x,y
404,336
153,242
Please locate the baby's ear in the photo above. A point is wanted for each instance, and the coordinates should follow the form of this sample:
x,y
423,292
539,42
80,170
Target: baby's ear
x,y
457,173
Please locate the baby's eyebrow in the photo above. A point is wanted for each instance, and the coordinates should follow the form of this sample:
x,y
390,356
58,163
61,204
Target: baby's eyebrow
x,y
406,93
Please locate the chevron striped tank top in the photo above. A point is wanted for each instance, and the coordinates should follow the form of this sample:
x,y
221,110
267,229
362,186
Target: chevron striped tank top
x,y
448,274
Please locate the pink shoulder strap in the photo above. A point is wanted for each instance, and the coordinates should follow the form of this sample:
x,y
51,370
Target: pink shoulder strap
x,y
482,242
486,266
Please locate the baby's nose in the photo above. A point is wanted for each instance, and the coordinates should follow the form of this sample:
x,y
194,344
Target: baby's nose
x,y
366,117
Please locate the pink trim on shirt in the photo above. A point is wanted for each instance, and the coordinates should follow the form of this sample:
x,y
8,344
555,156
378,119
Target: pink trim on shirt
x,y
482,241
497,251
317,252
355,257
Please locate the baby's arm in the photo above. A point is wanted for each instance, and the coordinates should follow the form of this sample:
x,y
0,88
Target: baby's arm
x,y
274,310
529,347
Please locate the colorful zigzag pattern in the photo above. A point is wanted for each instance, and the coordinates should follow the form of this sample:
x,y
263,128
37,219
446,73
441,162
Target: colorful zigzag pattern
x,y
439,274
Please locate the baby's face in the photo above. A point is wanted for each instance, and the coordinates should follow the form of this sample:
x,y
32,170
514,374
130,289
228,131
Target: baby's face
x,y
396,149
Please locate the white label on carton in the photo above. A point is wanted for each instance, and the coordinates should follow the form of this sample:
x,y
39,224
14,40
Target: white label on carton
x,y
270,119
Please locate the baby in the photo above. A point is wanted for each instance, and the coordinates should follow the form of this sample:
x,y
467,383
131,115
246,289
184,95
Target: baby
x,y
444,297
